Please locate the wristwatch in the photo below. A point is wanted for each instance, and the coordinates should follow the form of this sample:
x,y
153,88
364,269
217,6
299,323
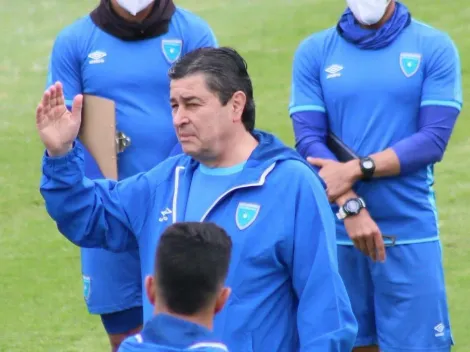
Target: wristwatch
x,y
367,168
352,207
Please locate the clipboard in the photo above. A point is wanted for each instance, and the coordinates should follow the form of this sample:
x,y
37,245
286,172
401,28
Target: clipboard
x,y
342,152
98,133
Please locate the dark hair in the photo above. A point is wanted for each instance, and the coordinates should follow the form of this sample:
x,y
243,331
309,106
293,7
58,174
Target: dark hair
x,y
225,72
191,265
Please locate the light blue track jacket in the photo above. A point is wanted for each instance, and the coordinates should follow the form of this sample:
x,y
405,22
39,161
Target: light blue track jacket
x,y
287,294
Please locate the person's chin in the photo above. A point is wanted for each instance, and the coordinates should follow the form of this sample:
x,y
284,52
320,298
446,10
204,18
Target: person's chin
x,y
188,146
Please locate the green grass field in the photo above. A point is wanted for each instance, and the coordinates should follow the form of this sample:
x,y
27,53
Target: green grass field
x,y
42,308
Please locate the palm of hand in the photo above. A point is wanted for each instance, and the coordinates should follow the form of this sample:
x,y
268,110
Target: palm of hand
x,y
57,126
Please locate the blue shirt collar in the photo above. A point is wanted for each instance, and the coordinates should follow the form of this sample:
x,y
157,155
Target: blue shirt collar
x,y
164,329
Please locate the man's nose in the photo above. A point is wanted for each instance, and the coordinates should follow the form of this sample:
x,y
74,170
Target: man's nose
x,y
180,116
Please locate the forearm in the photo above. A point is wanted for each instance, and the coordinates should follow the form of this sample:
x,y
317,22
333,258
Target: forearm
x,y
77,204
310,130
386,163
428,145
422,148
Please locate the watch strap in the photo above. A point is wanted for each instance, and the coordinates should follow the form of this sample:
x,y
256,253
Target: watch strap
x,y
367,173
341,214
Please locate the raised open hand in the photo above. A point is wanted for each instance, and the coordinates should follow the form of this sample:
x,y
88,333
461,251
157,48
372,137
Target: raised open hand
x,y
57,126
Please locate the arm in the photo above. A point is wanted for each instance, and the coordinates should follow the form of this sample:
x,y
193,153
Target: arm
x,y
101,214
306,107
440,106
324,318
310,131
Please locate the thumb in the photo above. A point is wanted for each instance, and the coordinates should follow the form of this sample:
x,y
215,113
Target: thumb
x,y
77,105
317,161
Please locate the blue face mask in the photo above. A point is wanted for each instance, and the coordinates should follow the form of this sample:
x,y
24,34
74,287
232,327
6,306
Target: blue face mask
x,y
368,12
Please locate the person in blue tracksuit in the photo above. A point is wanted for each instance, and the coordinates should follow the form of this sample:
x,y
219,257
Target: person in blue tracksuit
x,y
389,87
187,290
122,51
287,294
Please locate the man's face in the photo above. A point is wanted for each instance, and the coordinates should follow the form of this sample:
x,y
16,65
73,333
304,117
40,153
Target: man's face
x,y
201,122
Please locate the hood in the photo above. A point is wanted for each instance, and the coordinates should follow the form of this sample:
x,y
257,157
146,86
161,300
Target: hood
x,y
271,149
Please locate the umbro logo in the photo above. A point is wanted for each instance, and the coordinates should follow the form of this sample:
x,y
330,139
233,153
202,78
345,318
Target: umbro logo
x,y
96,57
333,71
439,330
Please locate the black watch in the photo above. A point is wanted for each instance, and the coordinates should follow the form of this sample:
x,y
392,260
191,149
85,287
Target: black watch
x,y
367,168
352,207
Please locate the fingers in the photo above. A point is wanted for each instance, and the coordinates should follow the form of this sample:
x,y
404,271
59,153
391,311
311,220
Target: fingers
x,y
379,246
77,105
317,161
39,114
53,92
59,94
370,245
332,196
360,244
56,95
46,102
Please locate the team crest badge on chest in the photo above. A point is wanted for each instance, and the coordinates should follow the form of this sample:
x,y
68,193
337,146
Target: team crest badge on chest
x,y
246,214
409,63
172,49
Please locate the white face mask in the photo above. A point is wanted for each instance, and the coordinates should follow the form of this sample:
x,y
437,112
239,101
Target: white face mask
x,y
368,12
134,6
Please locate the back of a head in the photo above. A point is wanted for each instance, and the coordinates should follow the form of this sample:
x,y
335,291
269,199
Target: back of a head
x,y
226,72
191,265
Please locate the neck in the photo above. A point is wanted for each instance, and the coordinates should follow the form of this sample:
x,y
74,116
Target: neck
x,y
236,150
203,318
388,14
139,17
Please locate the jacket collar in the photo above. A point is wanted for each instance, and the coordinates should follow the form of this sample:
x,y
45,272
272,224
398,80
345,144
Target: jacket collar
x,y
166,330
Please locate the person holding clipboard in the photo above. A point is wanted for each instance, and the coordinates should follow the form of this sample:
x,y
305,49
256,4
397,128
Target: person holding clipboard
x,y
389,88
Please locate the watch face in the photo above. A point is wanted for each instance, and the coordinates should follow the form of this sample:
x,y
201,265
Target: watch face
x,y
352,206
367,164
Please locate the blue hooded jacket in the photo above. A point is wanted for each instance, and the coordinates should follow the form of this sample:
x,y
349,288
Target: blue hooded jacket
x,y
287,294
165,333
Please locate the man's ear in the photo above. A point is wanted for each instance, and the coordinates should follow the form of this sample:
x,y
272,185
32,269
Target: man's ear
x,y
223,297
150,288
238,103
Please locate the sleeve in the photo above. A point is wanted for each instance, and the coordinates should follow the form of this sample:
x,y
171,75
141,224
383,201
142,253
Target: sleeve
x,y
306,91
201,36
94,214
442,84
427,146
325,318
65,65
310,130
